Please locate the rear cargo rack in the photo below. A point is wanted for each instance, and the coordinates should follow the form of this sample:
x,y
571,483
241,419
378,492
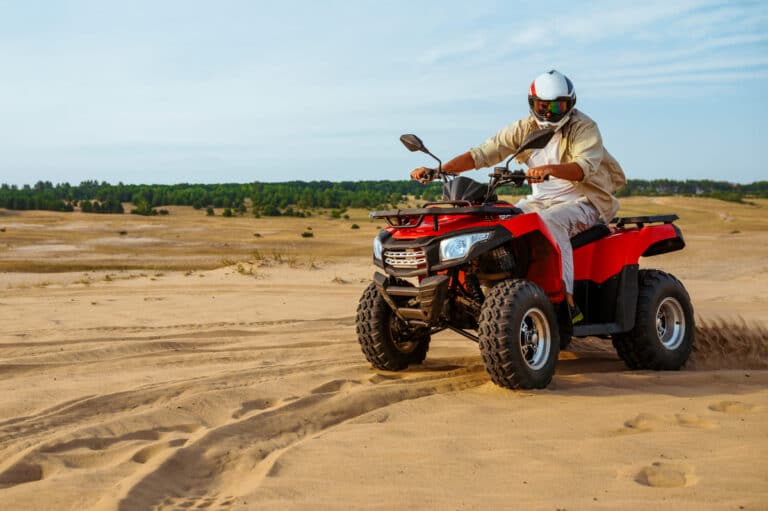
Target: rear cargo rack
x,y
411,218
640,221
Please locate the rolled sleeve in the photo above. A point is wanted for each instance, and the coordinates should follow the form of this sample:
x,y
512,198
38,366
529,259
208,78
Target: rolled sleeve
x,y
486,154
499,146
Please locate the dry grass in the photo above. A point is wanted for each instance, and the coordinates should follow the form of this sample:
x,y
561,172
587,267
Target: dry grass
x,y
187,240
32,266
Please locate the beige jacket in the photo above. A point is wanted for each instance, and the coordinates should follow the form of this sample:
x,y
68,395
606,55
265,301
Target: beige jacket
x,y
581,144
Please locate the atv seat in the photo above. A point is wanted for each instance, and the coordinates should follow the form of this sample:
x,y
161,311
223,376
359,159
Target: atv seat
x,y
594,233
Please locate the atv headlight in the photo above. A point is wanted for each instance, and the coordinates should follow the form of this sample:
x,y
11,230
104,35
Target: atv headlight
x,y
458,246
376,248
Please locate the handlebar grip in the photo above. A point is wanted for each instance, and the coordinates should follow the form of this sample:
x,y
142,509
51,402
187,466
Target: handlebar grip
x,y
427,176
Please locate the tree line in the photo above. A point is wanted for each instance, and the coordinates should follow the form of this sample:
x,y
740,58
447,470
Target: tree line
x,y
299,198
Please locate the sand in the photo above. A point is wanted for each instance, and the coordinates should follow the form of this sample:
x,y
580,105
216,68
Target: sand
x,y
238,383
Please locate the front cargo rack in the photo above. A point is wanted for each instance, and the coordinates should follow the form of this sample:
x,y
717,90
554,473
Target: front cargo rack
x,y
412,218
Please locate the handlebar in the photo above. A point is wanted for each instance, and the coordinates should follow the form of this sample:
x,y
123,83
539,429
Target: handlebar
x,y
502,175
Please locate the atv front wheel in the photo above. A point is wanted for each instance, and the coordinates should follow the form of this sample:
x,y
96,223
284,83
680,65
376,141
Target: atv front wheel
x,y
519,338
386,341
662,338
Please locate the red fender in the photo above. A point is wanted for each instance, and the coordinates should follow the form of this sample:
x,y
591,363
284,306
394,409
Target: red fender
x,y
545,269
606,257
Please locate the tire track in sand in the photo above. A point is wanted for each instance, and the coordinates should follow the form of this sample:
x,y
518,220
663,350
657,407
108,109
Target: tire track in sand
x,y
24,440
30,453
80,408
233,459
27,432
344,320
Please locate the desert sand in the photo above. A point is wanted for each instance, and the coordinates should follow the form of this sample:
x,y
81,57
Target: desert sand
x,y
190,362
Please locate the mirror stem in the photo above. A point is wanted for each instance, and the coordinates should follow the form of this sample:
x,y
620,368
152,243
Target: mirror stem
x,y
439,163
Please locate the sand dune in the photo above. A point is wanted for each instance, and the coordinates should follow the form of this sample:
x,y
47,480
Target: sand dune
x,y
243,387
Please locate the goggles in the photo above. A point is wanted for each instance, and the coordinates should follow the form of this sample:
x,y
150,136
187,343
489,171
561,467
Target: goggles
x,y
543,107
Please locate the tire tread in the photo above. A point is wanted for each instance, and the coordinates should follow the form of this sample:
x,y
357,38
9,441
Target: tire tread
x,y
639,348
497,329
371,320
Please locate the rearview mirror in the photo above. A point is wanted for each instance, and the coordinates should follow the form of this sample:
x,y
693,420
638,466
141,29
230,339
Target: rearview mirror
x,y
413,143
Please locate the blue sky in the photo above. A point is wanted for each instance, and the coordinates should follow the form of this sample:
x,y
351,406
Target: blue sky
x,y
239,91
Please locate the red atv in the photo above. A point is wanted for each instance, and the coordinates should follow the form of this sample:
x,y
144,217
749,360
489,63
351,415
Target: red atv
x,y
478,264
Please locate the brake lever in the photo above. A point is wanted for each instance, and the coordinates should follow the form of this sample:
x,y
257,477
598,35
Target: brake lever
x,y
499,172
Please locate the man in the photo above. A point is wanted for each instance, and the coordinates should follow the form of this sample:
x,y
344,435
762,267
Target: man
x,y
581,175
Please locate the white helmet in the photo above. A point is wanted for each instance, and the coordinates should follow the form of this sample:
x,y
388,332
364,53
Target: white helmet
x,y
551,99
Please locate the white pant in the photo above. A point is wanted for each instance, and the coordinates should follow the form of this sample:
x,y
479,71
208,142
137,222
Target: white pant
x,y
564,219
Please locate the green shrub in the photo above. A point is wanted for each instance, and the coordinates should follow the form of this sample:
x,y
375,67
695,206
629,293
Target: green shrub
x,y
144,212
307,234
727,196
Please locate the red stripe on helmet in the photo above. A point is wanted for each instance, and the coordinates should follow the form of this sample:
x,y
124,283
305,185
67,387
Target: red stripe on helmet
x,y
533,88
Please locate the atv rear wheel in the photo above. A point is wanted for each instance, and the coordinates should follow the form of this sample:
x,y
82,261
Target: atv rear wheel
x,y
519,338
663,335
386,341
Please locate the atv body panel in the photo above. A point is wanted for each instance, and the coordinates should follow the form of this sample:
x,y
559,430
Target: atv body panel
x,y
606,271
605,260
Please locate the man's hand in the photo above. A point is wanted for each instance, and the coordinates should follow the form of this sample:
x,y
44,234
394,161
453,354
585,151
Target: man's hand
x,y
422,174
538,174
453,167
569,171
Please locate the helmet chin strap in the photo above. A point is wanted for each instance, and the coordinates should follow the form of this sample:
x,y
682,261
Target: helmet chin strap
x,y
553,125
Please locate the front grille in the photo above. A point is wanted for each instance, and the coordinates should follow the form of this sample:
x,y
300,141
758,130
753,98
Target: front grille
x,y
405,257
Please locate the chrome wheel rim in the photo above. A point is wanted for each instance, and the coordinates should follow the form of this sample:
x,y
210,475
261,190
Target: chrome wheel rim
x,y
535,338
670,323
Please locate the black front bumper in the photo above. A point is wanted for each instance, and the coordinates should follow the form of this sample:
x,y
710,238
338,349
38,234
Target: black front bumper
x,y
430,296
